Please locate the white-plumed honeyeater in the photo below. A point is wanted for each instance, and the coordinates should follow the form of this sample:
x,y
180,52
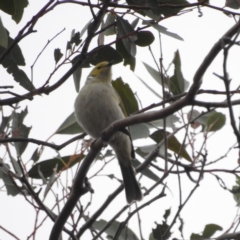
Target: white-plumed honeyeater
x,y
96,107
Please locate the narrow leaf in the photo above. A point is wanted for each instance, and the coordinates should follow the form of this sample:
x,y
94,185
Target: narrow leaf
x,y
69,126
162,30
19,9
125,29
126,95
177,83
210,229
3,35
173,144
48,166
110,20
156,75
215,122
111,231
146,172
57,55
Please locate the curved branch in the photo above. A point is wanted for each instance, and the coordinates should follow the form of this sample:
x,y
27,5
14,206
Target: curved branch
x,y
197,80
39,142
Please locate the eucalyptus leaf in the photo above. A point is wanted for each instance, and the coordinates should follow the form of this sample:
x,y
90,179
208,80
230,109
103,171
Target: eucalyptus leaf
x,y
126,32
173,143
162,30
128,58
69,126
8,182
111,231
139,131
156,75
215,122
20,130
57,55
146,172
126,95
177,83
47,167
3,35
110,20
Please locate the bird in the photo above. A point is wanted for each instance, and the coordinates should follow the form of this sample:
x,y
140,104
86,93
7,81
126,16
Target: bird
x,y
96,107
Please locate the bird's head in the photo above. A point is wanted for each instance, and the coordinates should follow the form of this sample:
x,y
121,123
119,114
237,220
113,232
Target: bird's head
x,y
101,72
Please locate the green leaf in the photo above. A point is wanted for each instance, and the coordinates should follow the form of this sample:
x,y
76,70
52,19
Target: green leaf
x,y
144,38
201,118
19,9
47,166
69,126
135,22
3,35
156,75
57,55
210,229
173,144
111,231
20,76
139,131
160,230
20,130
36,155
170,120
169,11
11,63
85,28
177,83
127,96
7,6
212,121
50,182
128,58
236,191
181,225
146,172
156,10
195,236
124,29
215,122
78,72
76,38
162,30
69,45
110,20
137,3
16,52
208,232
8,182
77,78
15,8
235,4
5,123
167,214
192,115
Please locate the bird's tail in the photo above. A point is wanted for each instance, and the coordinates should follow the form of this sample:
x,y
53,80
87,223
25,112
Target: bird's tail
x,y
132,189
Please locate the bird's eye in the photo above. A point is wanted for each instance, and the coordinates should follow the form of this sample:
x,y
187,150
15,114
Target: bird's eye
x,y
99,67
